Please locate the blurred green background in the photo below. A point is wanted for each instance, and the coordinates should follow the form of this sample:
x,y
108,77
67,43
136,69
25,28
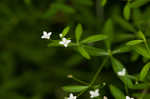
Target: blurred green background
x,y
31,70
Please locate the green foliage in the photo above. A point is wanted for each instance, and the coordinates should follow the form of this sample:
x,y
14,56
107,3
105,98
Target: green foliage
x,y
117,66
116,92
134,42
103,2
144,71
114,36
78,32
74,88
65,31
83,52
94,38
126,12
138,3
142,51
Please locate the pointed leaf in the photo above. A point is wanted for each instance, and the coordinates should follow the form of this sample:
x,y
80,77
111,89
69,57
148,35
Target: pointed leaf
x,y
124,24
139,3
141,86
117,93
78,32
144,71
126,12
109,31
94,38
83,52
65,31
95,51
134,42
121,49
75,88
142,51
141,35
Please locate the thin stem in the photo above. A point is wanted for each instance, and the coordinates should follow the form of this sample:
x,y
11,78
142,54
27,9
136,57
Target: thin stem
x,y
98,72
95,76
80,81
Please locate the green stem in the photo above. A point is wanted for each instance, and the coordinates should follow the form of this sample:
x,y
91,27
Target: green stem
x,y
95,76
98,72
80,81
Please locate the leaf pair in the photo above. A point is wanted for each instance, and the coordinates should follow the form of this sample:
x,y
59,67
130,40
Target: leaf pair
x,y
94,38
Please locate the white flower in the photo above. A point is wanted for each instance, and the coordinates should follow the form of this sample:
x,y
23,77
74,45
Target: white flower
x,y
105,97
65,42
46,35
127,97
72,97
60,35
94,93
122,72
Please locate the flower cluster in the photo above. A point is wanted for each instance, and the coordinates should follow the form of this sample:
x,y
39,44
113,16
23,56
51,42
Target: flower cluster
x,y
64,42
93,94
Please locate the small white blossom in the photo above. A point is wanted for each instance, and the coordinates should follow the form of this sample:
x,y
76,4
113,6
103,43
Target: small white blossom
x,y
64,42
71,97
127,97
105,97
46,35
60,35
122,72
94,93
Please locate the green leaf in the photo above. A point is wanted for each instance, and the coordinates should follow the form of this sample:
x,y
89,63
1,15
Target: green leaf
x,y
138,3
94,38
141,35
144,71
103,3
140,86
95,51
126,12
134,42
124,24
117,66
142,51
109,31
117,93
74,88
121,49
78,32
83,52
65,31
